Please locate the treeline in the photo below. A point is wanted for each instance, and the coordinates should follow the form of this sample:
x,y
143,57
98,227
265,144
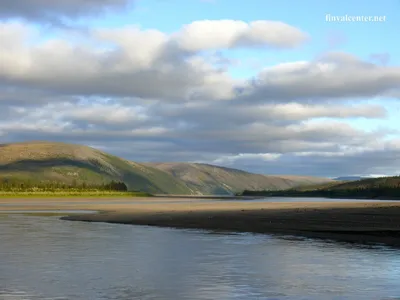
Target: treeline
x,y
9,185
362,193
382,183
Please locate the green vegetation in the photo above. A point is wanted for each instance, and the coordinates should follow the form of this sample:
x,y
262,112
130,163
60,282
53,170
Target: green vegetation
x,y
78,194
372,188
13,185
16,188
212,180
66,164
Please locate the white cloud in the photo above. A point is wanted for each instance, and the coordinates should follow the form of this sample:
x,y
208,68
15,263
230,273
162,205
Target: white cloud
x,y
332,76
130,62
141,64
297,111
106,114
221,34
232,159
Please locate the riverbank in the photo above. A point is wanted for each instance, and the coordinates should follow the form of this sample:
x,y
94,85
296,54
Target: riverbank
x,y
354,221
327,196
72,194
372,188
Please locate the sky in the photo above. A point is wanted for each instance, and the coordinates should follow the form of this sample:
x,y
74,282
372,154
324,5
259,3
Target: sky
x,y
271,87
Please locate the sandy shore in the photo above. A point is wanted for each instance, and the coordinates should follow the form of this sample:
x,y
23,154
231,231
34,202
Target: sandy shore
x,y
355,221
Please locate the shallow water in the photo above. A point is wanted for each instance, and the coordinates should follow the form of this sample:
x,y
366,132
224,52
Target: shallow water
x,y
46,258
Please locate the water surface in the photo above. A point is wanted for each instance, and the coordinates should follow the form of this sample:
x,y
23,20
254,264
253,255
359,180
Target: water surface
x,y
46,258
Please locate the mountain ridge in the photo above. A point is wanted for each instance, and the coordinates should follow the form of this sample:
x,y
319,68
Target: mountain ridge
x,y
61,162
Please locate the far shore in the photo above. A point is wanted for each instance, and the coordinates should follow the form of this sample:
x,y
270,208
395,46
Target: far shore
x,y
126,195
105,198
353,221
327,197
69,194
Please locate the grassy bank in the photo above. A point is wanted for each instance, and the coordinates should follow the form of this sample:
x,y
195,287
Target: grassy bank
x,y
94,194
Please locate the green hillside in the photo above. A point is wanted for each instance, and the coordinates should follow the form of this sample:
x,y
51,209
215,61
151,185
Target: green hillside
x,y
210,179
66,163
49,162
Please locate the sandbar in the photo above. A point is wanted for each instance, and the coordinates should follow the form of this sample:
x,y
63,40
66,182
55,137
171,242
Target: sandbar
x,y
354,221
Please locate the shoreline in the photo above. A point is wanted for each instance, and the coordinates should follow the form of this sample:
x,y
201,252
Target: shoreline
x,y
353,221
349,197
364,223
56,197
278,223
69,195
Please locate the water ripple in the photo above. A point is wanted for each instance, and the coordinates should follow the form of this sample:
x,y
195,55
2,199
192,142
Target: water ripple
x,y
46,258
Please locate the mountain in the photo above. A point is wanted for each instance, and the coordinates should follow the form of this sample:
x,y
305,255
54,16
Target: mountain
x,y
67,163
40,161
210,179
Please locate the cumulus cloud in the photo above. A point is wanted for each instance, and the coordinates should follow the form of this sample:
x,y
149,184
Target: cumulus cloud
x,y
106,115
230,114
293,111
11,96
309,147
246,158
114,65
155,69
312,148
332,76
210,132
54,10
363,163
220,34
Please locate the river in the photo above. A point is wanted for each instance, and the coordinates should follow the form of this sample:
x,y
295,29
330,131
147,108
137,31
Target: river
x,y
43,257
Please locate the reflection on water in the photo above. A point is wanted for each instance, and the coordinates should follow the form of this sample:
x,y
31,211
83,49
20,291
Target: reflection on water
x,y
46,258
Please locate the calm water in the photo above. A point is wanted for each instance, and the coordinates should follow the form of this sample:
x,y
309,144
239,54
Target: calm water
x,y
46,258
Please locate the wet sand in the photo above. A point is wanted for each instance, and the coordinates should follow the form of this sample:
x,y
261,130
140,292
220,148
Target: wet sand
x,y
355,221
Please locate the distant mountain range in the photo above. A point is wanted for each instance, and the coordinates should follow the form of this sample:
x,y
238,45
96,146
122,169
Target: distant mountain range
x,y
370,188
68,163
210,179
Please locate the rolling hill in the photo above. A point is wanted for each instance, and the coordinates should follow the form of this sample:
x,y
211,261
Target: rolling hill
x,y
67,163
210,179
